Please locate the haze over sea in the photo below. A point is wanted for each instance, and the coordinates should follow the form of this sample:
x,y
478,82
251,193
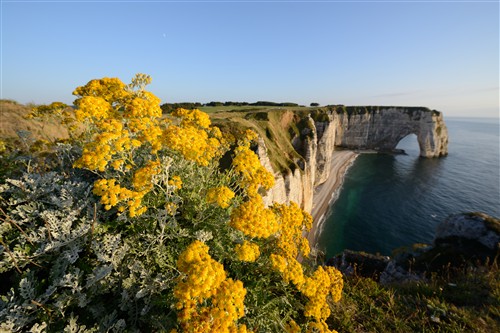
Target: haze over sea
x,y
389,201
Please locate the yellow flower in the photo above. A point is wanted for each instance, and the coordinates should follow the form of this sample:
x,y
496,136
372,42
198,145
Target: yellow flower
x,y
292,327
192,118
205,279
176,182
113,194
253,175
171,208
142,180
93,108
192,143
221,196
290,269
336,283
254,219
293,221
247,251
317,287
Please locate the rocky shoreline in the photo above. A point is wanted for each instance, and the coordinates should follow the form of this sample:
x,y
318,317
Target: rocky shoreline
x,y
461,240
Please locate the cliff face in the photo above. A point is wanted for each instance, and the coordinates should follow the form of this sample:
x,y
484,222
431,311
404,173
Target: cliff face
x,y
383,128
318,133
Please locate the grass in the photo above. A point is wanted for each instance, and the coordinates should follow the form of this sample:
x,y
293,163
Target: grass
x,y
466,300
247,108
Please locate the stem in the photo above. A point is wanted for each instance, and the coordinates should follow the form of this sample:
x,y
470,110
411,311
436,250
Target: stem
x,y
11,255
42,306
92,227
48,229
16,225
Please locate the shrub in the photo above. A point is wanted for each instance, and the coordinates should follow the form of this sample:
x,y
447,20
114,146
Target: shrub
x,y
148,233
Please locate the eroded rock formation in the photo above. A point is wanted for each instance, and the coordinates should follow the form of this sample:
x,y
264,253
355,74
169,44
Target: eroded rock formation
x,y
318,133
381,128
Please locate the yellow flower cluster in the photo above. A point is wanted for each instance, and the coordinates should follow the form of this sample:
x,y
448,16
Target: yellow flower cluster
x,y
171,208
250,135
226,308
291,270
253,175
113,194
336,283
176,182
146,130
142,115
142,180
121,121
193,138
112,90
221,196
93,108
293,222
147,105
316,288
111,142
247,251
254,219
203,275
207,300
319,327
323,282
292,327
194,117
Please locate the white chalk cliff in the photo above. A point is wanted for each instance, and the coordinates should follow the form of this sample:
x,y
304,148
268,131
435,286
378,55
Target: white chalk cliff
x,y
324,130
382,128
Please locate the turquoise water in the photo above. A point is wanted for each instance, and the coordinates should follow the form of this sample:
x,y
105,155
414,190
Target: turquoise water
x,y
389,201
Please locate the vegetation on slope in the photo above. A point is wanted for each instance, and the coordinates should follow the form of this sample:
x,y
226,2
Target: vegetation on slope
x,y
465,299
134,225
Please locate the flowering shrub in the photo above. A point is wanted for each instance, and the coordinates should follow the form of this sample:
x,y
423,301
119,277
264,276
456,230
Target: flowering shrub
x,y
147,231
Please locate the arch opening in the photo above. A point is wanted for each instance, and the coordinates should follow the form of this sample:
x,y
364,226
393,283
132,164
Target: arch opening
x,y
409,145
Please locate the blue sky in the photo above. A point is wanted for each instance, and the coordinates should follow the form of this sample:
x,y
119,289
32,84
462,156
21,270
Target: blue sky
x,y
443,55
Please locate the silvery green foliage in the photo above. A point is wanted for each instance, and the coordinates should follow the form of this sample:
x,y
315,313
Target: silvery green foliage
x,y
73,267
43,231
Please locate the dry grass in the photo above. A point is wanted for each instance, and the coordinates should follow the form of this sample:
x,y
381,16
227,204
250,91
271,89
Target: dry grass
x,y
12,121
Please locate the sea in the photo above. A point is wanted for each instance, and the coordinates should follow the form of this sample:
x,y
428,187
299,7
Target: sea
x,y
391,201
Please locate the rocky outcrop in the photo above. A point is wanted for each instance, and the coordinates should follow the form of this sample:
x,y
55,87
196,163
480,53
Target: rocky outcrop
x,y
475,227
360,263
381,128
316,134
461,240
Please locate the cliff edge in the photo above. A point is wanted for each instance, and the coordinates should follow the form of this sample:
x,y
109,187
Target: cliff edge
x,y
297,145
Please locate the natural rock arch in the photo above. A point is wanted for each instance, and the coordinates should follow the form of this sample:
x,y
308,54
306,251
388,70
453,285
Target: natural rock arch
x,y
408,143
382,128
